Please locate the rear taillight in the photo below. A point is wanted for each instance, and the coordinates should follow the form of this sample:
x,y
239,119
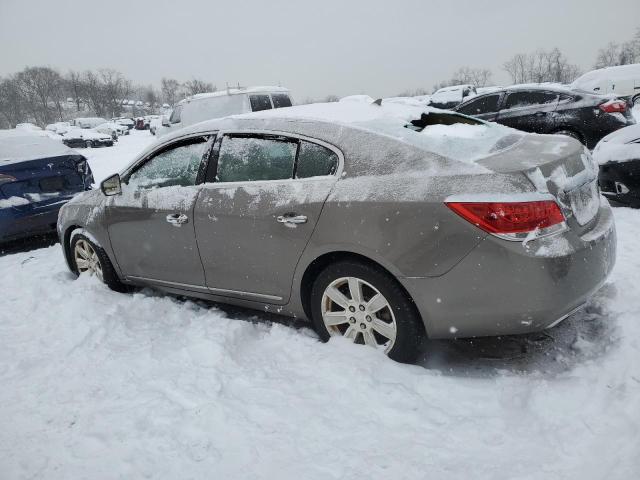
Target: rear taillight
x,y
6,178
614,106
513,220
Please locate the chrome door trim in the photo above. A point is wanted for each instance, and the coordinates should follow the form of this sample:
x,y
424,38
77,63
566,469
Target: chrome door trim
x,y
264,296
168,283
218,291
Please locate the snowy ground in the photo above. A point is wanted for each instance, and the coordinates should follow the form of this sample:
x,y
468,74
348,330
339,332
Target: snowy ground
x,y
100,385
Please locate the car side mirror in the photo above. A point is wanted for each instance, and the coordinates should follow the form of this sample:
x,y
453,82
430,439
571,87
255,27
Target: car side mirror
x,y
111,185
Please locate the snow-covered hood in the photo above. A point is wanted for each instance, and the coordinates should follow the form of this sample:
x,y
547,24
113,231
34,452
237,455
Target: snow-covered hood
x,y
620,146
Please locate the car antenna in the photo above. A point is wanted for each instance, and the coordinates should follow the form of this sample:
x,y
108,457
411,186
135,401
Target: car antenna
x,y
377,102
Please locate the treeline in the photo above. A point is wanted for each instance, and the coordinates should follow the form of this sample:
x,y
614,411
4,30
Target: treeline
x,y
543,66
42,95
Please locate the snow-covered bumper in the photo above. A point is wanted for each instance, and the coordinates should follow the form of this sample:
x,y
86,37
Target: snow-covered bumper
x,y
504,287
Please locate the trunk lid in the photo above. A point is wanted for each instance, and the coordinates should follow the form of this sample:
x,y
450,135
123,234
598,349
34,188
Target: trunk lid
x,y
557,165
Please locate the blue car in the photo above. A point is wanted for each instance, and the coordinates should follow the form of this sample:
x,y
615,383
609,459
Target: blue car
x,y
37,176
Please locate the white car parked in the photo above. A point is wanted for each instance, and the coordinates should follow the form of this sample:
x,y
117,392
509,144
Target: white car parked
x,y
232,101
623,81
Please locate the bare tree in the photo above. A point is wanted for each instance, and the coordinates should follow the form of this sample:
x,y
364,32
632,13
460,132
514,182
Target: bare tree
x,y
478,77
619,54
11,104
169,88
541,66
74,88
195,86
41,89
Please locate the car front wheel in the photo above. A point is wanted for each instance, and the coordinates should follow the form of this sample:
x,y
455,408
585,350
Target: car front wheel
x,y
88,144
367,306
90,259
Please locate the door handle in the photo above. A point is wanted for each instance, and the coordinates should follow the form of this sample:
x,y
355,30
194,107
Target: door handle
x,y
177,219
292,219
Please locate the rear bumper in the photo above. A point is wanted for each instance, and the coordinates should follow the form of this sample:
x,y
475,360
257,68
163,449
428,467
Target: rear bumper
x,y
505,287
16,224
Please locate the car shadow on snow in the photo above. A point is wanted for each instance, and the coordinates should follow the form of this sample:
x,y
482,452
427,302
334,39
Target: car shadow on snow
x,y
586,335
28,244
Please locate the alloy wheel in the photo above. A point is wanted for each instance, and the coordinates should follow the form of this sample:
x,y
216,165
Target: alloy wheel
x,y
87,259
356,310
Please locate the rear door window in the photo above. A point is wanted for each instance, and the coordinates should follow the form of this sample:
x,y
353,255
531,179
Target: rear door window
x,y
527,99
259,102
315,161
280,100
488,104
249,159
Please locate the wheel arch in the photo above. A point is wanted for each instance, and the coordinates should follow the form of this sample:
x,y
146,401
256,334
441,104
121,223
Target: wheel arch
x,y
314,268
570,128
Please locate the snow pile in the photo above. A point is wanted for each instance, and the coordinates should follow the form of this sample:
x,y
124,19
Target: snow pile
x,y
97,384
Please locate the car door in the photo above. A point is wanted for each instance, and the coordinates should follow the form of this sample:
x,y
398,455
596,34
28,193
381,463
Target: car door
x,y
150,224
255,215
529,110
485,107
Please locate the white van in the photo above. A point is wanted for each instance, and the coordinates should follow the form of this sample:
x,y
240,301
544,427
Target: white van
x,y
232,101
623,81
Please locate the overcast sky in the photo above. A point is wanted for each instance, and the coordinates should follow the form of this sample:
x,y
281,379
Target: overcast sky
x,y
315,48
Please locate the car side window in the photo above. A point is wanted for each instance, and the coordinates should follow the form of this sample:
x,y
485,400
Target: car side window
x,y
526,99
280,100
259,102
315,160
247,159
176,166
488,104
176,115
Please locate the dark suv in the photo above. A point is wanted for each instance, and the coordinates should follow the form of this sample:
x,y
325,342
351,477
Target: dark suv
x,y
546,109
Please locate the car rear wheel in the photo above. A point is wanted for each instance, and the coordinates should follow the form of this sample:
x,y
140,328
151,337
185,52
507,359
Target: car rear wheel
x,y
367,306
570,133
635,101
88,144
89,258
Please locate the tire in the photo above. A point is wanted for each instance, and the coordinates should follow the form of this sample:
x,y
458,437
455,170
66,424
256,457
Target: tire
x,y
635,101
362,321
88,144
570,133
103,268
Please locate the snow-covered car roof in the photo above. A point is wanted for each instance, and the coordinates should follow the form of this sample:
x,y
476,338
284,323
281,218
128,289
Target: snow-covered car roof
x,y
447,134
611,73
453,88
624,135
237,91
85,133
16,146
